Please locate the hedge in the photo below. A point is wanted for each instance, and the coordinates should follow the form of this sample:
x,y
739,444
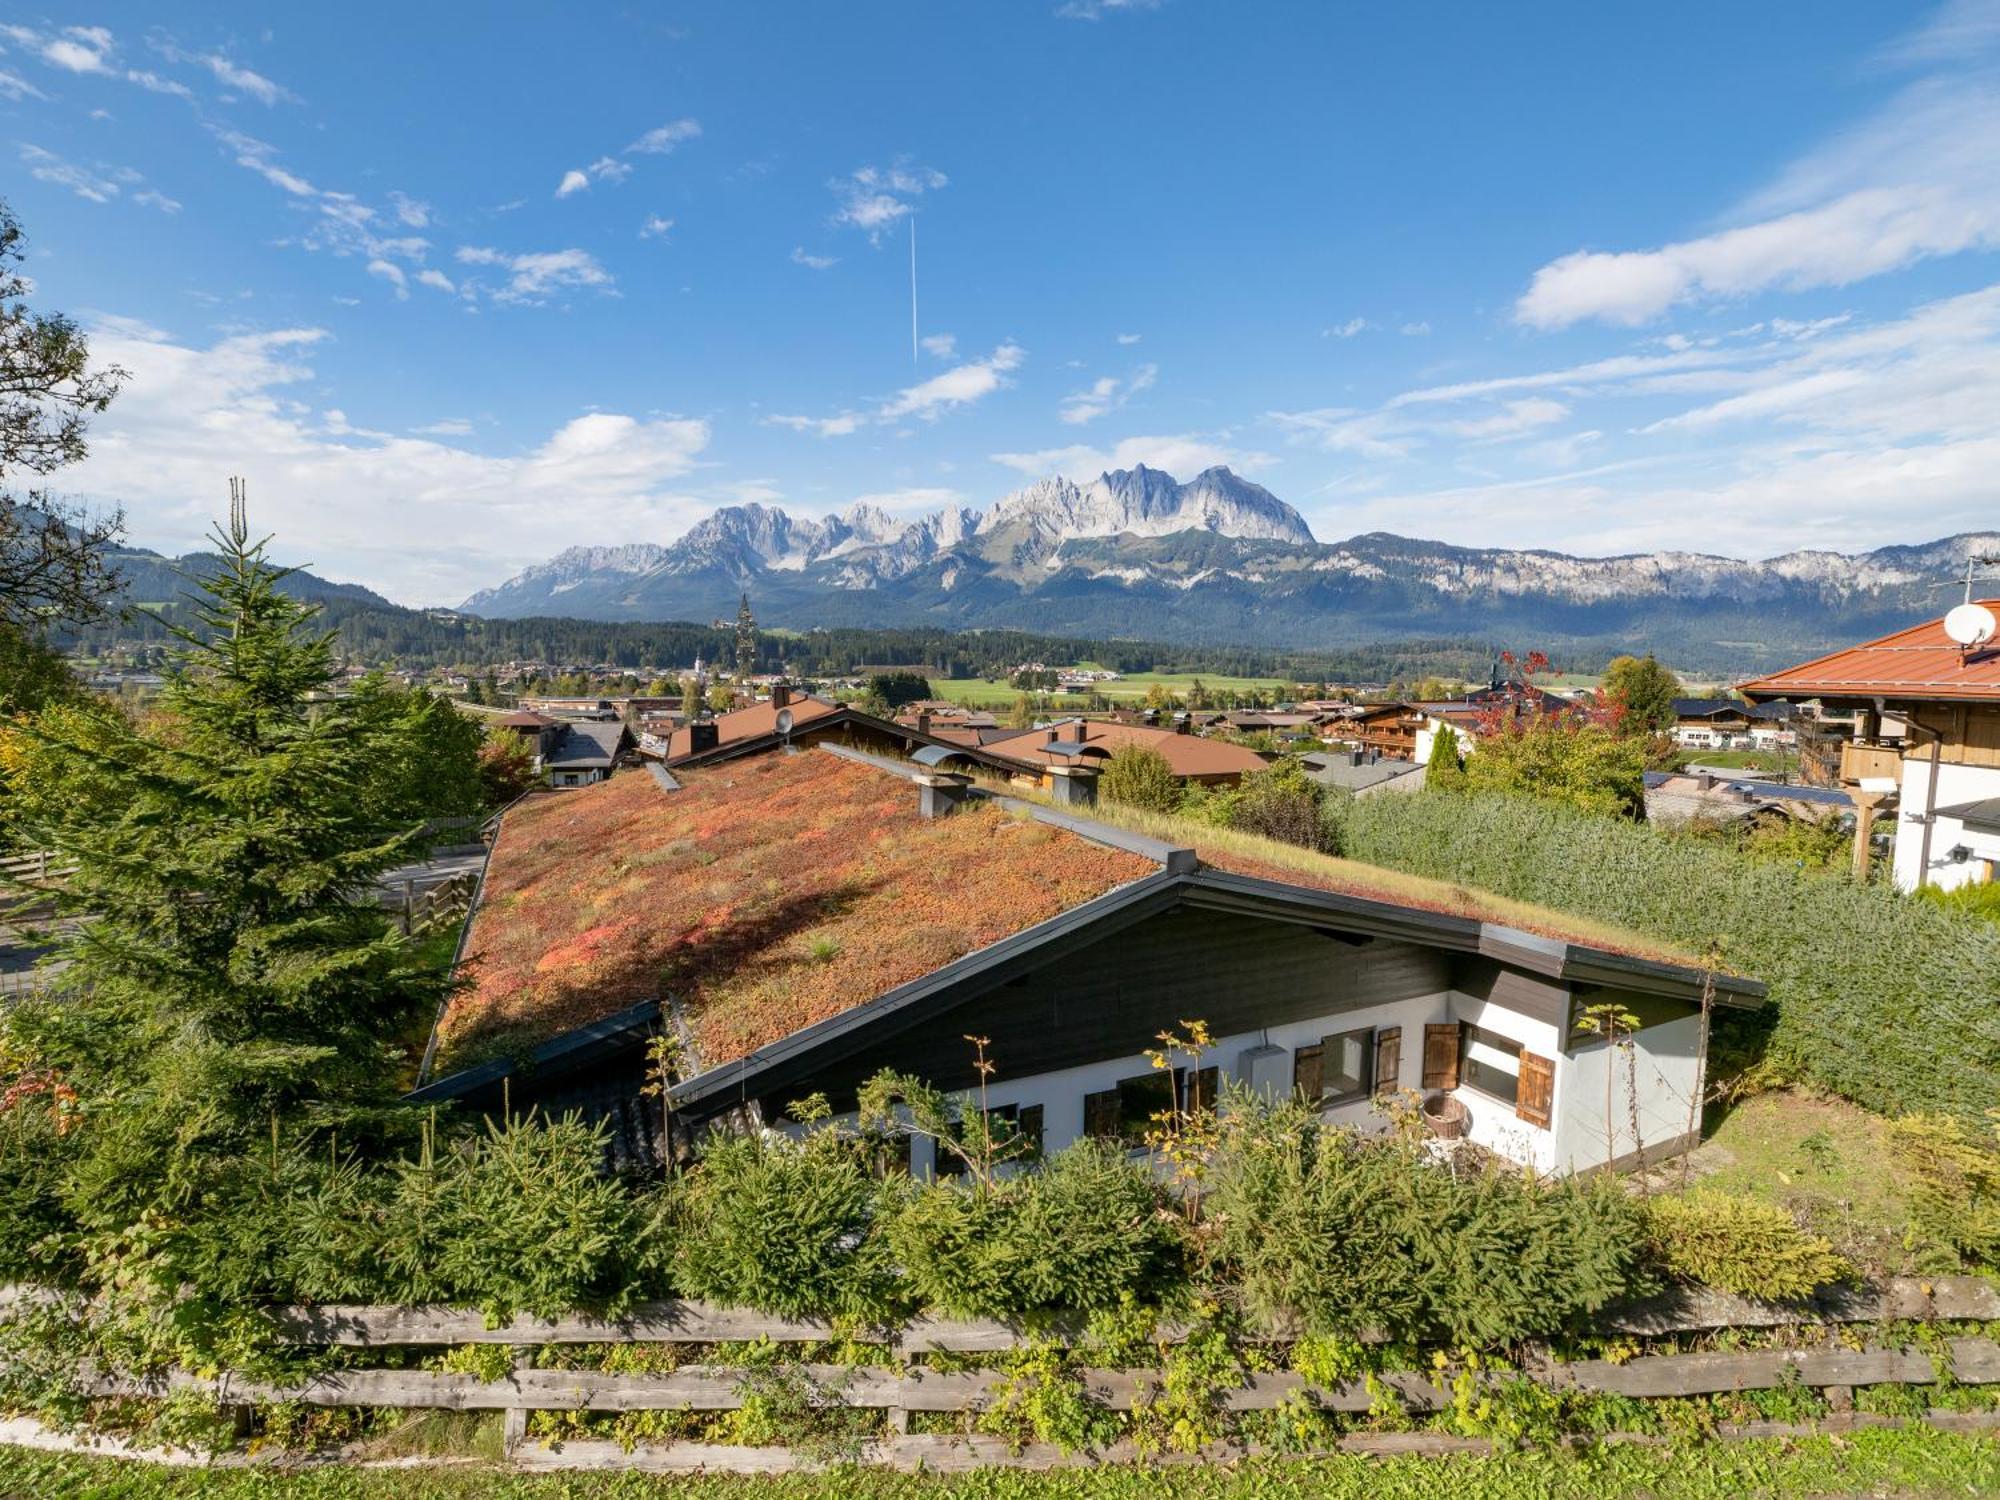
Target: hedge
x,y
1892,1002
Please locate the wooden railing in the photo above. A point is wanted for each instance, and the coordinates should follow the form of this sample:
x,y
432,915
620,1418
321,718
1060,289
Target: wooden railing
x,y
1835,1367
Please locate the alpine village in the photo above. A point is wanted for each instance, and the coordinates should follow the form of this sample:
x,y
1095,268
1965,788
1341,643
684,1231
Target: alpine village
x,y
624,978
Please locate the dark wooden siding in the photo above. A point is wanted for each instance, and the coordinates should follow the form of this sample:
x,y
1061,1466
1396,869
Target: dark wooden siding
x,y
1526,994
1237,973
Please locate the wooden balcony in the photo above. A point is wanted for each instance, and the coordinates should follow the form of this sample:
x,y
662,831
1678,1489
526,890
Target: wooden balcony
x,y
1858,762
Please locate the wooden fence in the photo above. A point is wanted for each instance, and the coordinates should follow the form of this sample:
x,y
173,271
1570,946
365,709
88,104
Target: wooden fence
x,y
1834,1367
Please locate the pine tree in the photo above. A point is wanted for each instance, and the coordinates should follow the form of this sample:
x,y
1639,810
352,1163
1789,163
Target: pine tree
x,y
231,967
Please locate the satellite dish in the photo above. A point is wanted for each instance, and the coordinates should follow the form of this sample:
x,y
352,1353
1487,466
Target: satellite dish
x,y
784,721
1970,624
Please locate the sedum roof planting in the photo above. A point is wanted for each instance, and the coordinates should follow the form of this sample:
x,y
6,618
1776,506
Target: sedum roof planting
x,y
765,895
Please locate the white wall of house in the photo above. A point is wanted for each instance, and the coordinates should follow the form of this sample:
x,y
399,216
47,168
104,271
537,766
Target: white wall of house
x,y
1663,1064
1664,1068
1955,784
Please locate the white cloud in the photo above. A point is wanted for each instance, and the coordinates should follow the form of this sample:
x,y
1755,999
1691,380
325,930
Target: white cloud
x,y
572,182
431,277
959,386
1918,179
816,262
1105,394
413,212
655,228
1346,330
844,425
79,49
1415,330
15,88
664,138
420,518
1182,454
392,273
449,427
154,198
242,79
1130,338
256,156
918,500
46,166
873,199
534,277
1097,10
940,345
1515,418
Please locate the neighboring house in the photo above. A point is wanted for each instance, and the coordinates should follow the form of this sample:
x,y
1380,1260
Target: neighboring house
x,y
598,709
1711,723
1364,772
1091,742
1700,796
587,752
1926,745
700,737
798,922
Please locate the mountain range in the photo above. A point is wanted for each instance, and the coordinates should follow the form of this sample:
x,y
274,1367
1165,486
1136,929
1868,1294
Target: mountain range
x,y
1220,559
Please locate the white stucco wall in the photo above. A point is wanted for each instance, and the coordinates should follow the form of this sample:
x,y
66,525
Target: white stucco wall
x,y
1663,1065
1575,1139
1955,784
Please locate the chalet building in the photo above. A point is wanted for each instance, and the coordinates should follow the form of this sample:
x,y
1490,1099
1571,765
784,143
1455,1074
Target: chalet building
x,y
1091,742
1697,796
797,922
1364,773
570,754
1926,745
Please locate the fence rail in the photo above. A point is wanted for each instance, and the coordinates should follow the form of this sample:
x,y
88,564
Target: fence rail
x,y
904,1388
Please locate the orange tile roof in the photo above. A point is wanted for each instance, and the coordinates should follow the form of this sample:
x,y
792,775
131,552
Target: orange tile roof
x,y
1188,754
765,895
754,722
1921,662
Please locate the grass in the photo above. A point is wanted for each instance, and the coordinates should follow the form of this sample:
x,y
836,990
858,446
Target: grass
x,y
977,692
1252,854
1825,1160
1906,1463
1741,760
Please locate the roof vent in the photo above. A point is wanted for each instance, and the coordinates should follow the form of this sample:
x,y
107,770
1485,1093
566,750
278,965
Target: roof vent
x,y
941,793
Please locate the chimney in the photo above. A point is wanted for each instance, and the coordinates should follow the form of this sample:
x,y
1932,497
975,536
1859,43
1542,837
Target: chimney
x,y
1073,786
1055,733
1705,781
923,722
940,793
781,695
1357,757
703,734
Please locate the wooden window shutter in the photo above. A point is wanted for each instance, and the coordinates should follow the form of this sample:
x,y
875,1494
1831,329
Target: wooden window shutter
x,y
1441,1041
1029,1124
1388,1059
1101,1114
1306,1073
1537,1091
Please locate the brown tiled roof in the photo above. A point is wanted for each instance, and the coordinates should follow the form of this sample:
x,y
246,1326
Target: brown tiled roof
x,y
767,894
1921,662
751,723
524,718
1188,754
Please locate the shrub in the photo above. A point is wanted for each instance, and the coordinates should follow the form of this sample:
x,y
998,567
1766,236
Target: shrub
x,y
1741,1245
1140,777
1346,1234
1892,1002
1281,803
1954,1200
1084,1232
779,1225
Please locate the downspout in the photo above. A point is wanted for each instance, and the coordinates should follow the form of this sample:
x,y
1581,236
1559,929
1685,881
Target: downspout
x,y
1930,799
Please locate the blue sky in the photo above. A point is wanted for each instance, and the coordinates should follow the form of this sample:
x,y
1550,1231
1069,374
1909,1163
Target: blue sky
x,y
455,287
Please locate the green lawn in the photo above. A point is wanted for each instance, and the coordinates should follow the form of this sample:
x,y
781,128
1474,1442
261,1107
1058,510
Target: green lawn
x,y
1743,760
1825,1160
977,692
1917,1462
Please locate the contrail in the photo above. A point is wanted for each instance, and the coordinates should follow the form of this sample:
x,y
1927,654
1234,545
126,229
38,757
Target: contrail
x,y
913,289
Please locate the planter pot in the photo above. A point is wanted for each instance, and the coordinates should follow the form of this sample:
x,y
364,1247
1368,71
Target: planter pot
x,y
1445,1117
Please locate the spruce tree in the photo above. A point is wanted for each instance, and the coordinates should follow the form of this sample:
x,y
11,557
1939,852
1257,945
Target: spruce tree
x,y
231,968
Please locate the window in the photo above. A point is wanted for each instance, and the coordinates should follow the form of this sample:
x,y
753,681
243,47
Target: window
x,y
1339,1070
1490,1063
1130,1110
1010,1123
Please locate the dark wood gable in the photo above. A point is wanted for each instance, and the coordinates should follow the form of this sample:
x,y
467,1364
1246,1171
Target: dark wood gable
x,y
1235,971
